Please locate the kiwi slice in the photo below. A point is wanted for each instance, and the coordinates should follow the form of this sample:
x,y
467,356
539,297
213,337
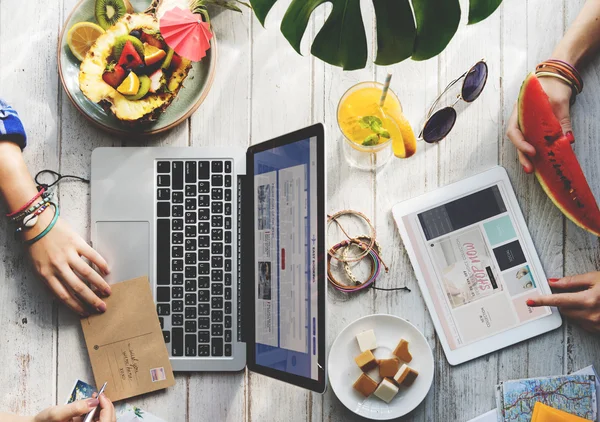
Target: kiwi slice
x,y
120,44
168,59
108,12
143,90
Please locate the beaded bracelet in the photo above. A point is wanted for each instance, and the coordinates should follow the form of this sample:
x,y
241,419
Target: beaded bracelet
x,y
31,220
31,201
375,267
45,199
47,229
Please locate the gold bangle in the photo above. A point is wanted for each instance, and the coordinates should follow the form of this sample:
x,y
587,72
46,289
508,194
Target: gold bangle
x,y
562,78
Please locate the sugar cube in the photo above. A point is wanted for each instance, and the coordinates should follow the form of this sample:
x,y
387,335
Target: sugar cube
x,y
388,367
406,376
402,351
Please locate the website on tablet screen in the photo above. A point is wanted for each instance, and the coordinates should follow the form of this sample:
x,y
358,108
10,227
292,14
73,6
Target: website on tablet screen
x,y
475,268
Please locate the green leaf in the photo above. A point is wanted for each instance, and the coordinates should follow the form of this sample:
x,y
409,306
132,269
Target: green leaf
x,y
371,140
342,40
396,31
384,134
261,9
437,22
371,122
481,9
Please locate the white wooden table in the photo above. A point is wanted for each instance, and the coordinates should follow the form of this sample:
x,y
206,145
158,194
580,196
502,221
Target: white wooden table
x,y
263,89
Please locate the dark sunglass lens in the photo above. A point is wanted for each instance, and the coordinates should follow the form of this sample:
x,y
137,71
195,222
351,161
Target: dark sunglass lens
x,y
474,82
439,125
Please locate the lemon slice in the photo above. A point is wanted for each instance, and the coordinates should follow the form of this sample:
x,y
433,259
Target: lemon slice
x,y
130,86
408,136
153,54
81,37
398,147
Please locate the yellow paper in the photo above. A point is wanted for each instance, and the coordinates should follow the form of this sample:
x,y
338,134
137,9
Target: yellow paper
x,y
543,413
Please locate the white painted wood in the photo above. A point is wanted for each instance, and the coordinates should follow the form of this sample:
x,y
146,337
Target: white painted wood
x,y
264,89
29,82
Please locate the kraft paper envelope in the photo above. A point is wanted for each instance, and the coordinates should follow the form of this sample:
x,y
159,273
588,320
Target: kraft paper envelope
x,y
126,344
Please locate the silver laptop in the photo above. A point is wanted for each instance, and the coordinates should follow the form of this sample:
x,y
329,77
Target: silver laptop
x,y
233,243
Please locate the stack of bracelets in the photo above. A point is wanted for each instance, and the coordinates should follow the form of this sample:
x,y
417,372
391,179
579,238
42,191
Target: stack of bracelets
x,y
26,217
563,71
368,247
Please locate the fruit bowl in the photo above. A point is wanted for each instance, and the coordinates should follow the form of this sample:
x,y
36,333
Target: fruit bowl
x,y
195,87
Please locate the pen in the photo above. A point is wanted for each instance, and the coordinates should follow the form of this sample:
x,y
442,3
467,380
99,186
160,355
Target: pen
x,y
90,416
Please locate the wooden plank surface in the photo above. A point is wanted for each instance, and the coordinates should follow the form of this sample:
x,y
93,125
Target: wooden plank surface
x,y
263,89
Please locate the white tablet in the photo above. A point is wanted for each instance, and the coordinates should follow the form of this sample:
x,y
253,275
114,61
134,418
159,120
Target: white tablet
x,y
476,265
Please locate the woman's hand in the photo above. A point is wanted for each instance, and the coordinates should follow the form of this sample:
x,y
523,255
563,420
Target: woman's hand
x,y
559,94
74,412
577,298
58,259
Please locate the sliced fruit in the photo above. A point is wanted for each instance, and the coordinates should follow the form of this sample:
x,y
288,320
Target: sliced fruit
x,y
408,136
157,80
108,12
129,57
96,90
151,39
142,90
130,86
176,61
81,37
167,62
398,147
556,166
120,45
153,54
114,75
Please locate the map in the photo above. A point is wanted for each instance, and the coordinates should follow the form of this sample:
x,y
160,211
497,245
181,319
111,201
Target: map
x,y
575,394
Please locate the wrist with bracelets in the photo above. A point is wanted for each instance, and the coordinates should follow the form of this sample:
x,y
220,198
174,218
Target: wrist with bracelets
x,y
562,71
26,217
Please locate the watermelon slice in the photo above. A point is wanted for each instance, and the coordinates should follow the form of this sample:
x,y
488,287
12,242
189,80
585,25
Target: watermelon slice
x,y
556,166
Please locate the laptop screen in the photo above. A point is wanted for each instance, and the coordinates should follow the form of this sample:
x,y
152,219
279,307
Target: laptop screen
x,y
286,223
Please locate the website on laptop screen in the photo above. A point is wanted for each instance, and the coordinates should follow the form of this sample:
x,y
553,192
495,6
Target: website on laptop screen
x,y
285,223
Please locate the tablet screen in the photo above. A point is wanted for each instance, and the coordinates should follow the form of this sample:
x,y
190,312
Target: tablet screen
x,y
289,280
475,267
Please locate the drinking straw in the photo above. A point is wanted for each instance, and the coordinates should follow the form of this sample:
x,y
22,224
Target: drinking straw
x,y
386,86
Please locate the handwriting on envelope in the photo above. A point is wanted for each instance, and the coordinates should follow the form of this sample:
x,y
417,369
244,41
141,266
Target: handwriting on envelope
x,y
126,344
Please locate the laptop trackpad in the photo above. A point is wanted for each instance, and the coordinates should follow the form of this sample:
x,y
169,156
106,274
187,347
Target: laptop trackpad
x,y
126,247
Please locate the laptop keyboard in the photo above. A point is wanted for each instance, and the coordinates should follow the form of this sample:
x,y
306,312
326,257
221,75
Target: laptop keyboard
x,y
194,256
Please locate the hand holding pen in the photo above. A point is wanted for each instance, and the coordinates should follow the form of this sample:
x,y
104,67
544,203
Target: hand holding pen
x,y
100,407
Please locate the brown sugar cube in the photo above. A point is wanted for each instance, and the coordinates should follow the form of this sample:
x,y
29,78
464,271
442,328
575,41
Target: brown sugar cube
x,y
365,385
402,351
388,367
366,361
406,376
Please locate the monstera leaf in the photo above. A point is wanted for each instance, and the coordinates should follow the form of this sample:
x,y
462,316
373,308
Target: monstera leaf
x,y
342,40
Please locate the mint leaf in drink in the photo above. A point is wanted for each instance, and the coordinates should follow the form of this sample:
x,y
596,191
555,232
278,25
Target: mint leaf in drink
x,y
372,122
384,134
371,140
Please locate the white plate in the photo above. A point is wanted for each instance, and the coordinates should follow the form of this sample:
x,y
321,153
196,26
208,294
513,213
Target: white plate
x,y
343,371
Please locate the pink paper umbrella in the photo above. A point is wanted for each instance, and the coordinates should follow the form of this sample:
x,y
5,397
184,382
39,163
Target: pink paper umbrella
x,y
186,33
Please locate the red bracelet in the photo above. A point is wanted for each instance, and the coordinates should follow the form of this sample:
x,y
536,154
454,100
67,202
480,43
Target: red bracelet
x,y
24,207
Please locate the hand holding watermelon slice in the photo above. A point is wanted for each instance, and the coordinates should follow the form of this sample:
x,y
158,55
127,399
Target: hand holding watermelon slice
x,y
554,163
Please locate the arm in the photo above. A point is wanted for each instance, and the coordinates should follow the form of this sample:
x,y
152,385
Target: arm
x,y
580,43
71,412
57,256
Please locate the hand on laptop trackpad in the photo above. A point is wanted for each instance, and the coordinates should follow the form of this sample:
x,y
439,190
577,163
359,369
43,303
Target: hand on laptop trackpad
x,y
126,247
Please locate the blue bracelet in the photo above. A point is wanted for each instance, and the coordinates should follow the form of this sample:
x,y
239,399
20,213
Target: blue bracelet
x,y
47,229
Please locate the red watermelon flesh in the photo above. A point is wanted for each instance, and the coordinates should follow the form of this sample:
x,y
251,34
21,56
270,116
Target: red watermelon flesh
x,y
556,166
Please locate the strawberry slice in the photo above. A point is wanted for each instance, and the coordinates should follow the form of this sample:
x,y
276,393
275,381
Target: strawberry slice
x,y
114,75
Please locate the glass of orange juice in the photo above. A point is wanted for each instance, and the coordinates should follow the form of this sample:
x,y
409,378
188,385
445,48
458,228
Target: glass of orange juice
x,y
372,132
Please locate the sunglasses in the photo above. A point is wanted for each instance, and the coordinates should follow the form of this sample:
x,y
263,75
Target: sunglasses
x,y
439,124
